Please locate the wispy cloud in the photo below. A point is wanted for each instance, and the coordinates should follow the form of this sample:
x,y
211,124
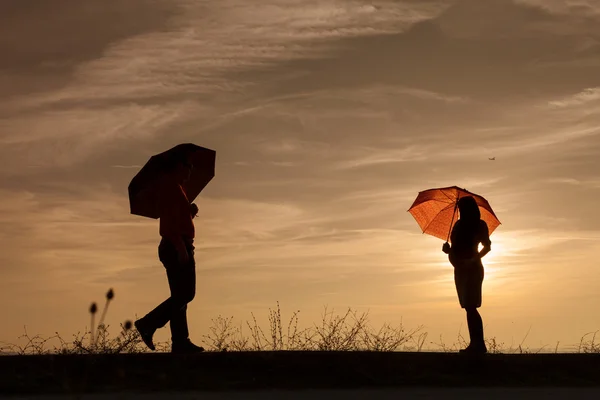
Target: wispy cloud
x,y
586,96
365,157
146,83
590,183
585,8
70,136
208,42
127,166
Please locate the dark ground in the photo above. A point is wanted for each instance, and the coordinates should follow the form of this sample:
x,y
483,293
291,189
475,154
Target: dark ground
x,y
68,374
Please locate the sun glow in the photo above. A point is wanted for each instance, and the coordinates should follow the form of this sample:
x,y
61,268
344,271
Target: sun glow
x,y
494,259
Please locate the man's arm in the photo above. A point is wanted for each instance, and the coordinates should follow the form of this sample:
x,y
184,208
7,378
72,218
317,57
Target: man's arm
x,y
170,216
193,210
170,230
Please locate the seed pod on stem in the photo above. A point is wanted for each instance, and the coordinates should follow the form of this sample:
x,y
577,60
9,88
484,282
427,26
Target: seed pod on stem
x,y
109,296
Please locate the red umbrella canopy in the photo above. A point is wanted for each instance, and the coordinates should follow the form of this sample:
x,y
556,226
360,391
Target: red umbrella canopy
x,y
435,210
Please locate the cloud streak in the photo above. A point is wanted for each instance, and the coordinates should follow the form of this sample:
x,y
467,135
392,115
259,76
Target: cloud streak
x,y
584,97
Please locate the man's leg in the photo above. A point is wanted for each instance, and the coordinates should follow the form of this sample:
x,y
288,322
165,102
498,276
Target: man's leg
x,y
159,317
182,281
183,290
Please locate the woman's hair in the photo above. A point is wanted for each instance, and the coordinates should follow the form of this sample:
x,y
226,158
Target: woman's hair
x,y
468,208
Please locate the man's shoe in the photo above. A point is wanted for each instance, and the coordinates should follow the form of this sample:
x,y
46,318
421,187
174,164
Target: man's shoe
x,y
185,347
145,333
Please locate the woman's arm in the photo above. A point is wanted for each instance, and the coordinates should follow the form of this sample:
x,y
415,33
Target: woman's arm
x,y
446,248
486,249
484,240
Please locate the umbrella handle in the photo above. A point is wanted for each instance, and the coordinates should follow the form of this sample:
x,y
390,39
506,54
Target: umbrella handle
x,y
452,221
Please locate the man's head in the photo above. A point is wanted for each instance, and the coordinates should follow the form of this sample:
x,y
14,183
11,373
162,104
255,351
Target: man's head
x,y
180,168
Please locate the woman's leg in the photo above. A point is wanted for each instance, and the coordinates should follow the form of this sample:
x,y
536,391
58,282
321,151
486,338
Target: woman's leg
x,y
475,323
471,301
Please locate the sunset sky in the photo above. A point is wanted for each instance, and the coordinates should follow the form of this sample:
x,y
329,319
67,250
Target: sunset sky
x,y
328,117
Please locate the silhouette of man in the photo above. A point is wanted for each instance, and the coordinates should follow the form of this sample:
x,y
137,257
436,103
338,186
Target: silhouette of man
x,y
468,232
176,252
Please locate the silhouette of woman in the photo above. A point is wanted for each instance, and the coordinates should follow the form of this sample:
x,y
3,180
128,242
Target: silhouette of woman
x,y
468,232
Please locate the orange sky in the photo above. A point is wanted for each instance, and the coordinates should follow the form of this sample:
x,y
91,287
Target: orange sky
x,y
327,117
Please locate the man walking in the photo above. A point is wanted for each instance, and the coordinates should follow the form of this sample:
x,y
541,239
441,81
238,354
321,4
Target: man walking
x,y
176,252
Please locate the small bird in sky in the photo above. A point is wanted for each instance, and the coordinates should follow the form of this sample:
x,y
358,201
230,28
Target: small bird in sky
x,y
492,159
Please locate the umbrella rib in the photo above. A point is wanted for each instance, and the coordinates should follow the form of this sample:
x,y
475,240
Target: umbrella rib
x,y
437,200
450,198
432,219
440,188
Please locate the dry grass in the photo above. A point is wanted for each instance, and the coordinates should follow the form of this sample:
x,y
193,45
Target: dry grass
x,y
96,340
588,343
350,331
493,345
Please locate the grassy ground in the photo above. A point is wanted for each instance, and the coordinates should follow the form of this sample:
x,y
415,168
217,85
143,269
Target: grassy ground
x,y
37,374
341,351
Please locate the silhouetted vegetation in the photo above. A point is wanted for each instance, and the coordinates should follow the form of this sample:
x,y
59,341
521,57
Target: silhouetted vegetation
x,y
349,331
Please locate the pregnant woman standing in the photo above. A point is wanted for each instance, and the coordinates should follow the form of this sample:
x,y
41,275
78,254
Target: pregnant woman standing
x,y
468,232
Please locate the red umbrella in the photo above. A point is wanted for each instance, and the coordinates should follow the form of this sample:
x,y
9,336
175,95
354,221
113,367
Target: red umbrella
x,y
145,186
435,210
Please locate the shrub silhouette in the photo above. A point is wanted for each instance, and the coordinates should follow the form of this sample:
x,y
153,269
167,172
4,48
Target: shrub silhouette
x,y
350,331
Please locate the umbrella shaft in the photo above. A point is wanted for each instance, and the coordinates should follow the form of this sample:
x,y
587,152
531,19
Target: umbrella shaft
x,y
452,221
